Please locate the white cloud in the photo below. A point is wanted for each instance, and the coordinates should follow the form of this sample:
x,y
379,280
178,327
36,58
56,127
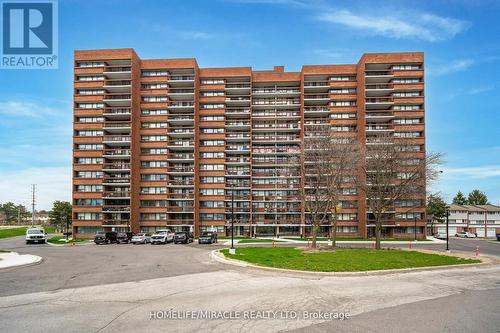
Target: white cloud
x,y
399,25
451,67
487,171
480,90
53,183
25,109
197,35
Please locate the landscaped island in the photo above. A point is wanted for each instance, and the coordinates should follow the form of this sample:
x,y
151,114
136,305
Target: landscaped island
x,y
342,260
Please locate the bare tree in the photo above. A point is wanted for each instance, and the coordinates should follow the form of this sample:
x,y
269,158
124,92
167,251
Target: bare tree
x,y
328,162
393,171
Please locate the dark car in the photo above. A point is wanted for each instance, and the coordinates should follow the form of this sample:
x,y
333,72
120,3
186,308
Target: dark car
x,y
207,237
498,237
102,237
124,237
183,237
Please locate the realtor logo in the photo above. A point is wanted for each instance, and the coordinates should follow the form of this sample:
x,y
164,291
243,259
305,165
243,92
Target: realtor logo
x,y
29,34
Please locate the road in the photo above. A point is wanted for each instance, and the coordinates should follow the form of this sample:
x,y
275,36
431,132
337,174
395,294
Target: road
x,y
118,288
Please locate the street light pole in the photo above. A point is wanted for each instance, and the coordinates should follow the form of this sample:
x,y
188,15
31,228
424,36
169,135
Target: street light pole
x,y
67,227
447,236
232,216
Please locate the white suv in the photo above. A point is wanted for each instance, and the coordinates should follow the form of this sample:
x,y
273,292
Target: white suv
x,y
162,237
35,235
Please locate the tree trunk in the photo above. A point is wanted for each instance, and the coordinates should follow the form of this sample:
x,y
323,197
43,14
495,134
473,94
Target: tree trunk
x,y
314,234
334,230
378,229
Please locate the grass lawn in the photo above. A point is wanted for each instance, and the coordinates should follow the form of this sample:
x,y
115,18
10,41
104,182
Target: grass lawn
x,y
62,240
12,232
235,237
256,240
356,239
342,260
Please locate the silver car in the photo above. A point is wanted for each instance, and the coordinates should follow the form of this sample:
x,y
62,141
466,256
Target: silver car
x,y
141,238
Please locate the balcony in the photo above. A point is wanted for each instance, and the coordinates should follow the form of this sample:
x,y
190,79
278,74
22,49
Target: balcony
x,y
180,120
375,90
180,170
181,78
238,87
379,116
118,72
116,167
378,76
116,181
181,106
116,194
116,209
276,103
180,133
237,149
180,145
118,86
237,100
235,137
322,86
116,223
237,160
116,140
276,91
117,113
180,157
316,110
378,128
177,183
237,124
181,94
117,99
237,112
116,153
382,103
117,127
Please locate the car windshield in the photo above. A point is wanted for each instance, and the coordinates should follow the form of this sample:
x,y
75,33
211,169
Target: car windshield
x,y
206,234
161,232
140,235
35,231
180,233
100,233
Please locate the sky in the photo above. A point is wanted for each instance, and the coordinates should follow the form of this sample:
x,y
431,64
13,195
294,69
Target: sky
x,y
460,39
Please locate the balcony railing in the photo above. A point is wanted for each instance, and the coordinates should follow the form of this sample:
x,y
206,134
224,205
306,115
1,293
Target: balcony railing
x,y
116,222
124,166
116,194
117,138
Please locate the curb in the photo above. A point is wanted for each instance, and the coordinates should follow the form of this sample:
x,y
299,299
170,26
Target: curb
x,y
219,257
36,261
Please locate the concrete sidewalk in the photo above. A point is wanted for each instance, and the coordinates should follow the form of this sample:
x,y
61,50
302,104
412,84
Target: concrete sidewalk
x,y
14,259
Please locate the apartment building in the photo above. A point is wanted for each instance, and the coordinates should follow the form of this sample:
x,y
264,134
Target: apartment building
x,y
472,218
165,143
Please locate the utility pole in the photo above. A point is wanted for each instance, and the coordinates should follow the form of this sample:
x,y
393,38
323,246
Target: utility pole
x,y
33,189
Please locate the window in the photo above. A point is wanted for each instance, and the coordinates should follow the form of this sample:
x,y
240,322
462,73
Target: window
x,y
212,93
153,176
153,164
152,86
84,64
88,202
90,119
343,128
406,67
343,103
90,78
154,73
90,105
212,155
89,133
347,191
212,130
153,216
212,204
212,142
154,99
406,107
212,216
212,118
211,180
89,160
407,203
413,148
347,216
212,81
407,134
89,174
212,167
153,203
406,80
406,94
343,115
89,188
212,191
343,91
88,216
154,138
407,121
347,229
343,78
154,112
90,146
153,151
153,190
90,91
408,216
212,106
154,125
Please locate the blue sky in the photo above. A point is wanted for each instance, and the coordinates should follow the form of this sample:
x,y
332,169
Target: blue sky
x,y
459,38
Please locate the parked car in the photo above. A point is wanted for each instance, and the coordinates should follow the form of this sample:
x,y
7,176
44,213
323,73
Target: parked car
x,y
465,234
35,235
183,237
102,237
124,237
441,235
498,237
141,238
207,237
162,237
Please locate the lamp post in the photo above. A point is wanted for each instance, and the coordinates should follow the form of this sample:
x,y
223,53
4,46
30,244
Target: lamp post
x,y
447,221
232,217
67,226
